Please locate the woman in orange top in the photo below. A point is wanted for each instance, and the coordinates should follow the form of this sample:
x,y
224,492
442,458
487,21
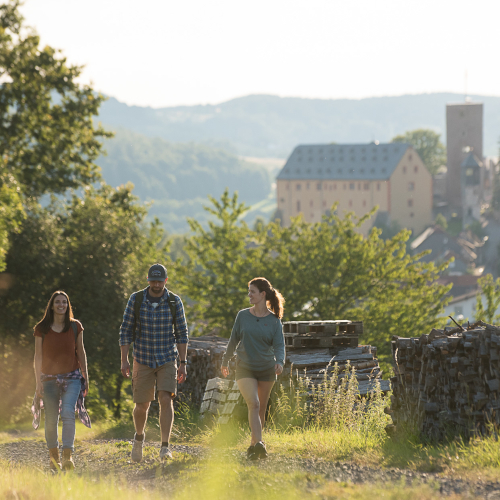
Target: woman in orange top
x,y
61,375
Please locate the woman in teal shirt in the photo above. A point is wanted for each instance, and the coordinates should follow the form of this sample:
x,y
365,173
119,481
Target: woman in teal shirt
x,y
257,338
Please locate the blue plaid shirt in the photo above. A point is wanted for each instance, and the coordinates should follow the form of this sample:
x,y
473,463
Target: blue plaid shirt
x,y
157,342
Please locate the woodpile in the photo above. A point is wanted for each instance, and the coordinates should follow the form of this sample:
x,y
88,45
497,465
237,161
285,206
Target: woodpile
x,y
447,382
204,357
311,348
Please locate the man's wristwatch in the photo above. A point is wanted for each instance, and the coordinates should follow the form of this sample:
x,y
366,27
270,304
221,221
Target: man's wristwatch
x,y
184,361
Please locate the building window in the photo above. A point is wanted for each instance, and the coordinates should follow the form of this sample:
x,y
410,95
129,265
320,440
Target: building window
x,y
415,168
359,186
282,200
324,203
299,186
378,186
410,156
412,214
335,186
411,186
298,206
352,185
410,202
311,203
366,186
307,185
319,186
350,203
287,187
404,170
364,203
345,186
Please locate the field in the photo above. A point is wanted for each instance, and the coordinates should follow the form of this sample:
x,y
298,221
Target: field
x,y
209,462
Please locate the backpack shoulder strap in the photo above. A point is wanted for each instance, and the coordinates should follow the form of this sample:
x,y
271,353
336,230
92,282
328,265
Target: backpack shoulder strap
x,y
139,297
173,308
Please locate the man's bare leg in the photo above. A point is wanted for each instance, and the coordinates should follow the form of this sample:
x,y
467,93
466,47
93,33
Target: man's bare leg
x,y
140,415
166,414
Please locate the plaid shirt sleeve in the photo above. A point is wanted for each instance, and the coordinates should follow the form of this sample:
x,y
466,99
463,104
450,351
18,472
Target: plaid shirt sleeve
x,y
126,330
181,335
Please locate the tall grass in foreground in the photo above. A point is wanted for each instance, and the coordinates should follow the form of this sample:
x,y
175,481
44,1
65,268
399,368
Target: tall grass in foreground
x,y
333,403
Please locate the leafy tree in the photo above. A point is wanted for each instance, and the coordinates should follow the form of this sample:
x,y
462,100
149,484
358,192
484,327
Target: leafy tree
x,y
47,137
98,250
441,222
221,261
428,145
11,211
490,289
325,270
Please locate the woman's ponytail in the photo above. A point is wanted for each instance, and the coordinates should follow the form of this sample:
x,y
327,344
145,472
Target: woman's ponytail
x,y
276,302
273,296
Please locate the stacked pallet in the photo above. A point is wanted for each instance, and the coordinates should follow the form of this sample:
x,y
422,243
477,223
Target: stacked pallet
x,y
447,382
319,334
311,364
204,357
312,348
223,400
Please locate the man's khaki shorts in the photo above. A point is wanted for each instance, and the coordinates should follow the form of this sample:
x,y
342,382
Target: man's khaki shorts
x,y
144,377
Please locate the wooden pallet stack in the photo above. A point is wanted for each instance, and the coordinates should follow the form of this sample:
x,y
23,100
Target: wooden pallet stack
x,y
311,348
223,400
321,334
447,382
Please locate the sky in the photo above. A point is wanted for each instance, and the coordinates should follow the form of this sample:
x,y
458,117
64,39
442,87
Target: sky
x,y
162,53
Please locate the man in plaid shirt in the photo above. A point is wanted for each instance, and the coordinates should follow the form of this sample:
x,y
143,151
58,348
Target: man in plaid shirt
x,y
156,348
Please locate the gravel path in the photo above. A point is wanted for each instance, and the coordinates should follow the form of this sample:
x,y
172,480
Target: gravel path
x,y
98,458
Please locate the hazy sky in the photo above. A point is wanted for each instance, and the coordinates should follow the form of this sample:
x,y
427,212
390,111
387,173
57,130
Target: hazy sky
x,y
163,53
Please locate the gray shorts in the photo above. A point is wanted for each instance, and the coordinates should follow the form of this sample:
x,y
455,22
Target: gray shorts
x,y
267,375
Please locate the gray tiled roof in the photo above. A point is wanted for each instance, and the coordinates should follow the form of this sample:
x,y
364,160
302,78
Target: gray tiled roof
x,y
470,161
343,161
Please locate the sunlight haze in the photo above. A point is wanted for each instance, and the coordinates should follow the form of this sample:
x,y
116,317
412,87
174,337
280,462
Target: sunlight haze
x,y
162,53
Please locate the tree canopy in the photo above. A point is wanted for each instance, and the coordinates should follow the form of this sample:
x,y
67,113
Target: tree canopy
x,y
428,145
324,270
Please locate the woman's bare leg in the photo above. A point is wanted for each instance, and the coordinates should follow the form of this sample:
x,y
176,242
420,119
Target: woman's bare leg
x,y
249,391
264,391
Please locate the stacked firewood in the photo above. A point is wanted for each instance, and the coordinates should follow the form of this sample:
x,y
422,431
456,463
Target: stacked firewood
x,y
204,357
447,382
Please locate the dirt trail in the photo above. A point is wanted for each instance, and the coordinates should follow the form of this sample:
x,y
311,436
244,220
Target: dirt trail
x,y
100,458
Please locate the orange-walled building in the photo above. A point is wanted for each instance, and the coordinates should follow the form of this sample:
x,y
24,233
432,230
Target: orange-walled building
x,y
358,177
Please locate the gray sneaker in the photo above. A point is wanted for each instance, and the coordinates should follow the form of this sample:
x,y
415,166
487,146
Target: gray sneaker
x,y
137,446
165,453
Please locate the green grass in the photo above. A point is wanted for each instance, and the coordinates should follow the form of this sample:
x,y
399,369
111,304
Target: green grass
x,y
331,424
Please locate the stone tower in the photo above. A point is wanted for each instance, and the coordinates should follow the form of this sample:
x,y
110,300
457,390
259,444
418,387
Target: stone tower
x,y
464,134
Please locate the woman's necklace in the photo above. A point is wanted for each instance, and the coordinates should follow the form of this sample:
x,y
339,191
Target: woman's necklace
x,y
263,316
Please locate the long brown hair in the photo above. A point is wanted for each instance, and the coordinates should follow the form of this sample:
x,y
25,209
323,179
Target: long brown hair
x,y
48,318
273,296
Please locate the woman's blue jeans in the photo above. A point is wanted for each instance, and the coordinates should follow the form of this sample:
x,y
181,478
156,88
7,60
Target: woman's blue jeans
x,y
51,405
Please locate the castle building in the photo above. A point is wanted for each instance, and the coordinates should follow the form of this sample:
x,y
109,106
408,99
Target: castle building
x,y
358,177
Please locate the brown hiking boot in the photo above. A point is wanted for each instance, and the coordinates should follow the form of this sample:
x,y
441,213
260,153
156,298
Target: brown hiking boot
x,y
55,463
68,463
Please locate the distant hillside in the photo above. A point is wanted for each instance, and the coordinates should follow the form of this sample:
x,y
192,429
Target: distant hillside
x,y
177,178
270,126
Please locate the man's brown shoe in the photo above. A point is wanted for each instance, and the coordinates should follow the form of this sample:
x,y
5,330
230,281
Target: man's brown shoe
x,y
68,463
55,463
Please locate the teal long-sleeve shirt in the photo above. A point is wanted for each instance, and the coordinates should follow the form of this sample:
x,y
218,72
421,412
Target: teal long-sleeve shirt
x,y
259,342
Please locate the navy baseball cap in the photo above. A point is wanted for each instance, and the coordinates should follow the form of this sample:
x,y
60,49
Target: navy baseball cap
x,y
157,272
